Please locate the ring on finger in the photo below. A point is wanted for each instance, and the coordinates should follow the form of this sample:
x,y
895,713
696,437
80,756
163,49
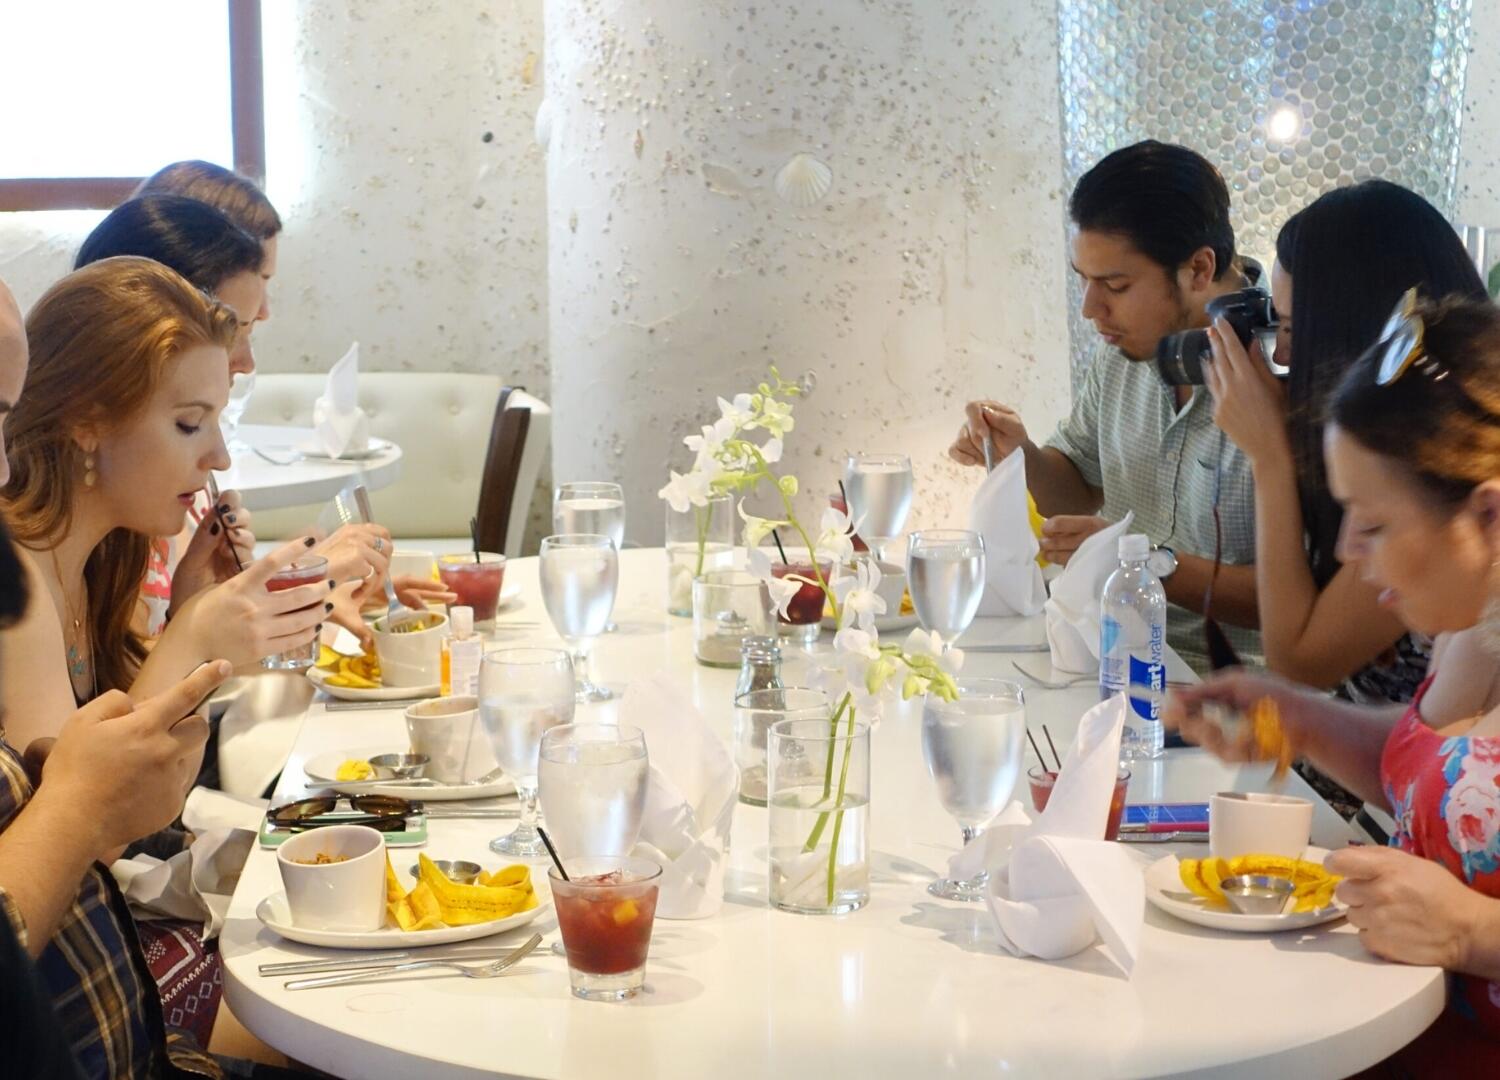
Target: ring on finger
x,y
379,544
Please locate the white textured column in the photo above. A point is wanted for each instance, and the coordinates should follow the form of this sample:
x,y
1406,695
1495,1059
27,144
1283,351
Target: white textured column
x,y
928,272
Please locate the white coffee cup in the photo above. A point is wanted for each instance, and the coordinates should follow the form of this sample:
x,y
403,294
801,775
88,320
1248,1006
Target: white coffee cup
x,y
1255,823
345,895
449,732
414,657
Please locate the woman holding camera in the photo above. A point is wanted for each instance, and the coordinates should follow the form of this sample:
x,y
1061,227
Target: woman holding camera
x,y
1342,263
1413,453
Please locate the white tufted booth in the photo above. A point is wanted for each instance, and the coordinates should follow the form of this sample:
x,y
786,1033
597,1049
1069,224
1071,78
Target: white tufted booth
x,y
442,422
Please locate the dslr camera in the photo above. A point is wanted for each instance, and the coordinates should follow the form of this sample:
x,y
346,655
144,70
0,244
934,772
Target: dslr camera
x,y
1180,357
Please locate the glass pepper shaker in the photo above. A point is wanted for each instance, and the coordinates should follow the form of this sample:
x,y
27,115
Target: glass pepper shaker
x,y
760,665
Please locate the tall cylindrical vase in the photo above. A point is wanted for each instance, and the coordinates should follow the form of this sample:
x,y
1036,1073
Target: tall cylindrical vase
x,y
700,540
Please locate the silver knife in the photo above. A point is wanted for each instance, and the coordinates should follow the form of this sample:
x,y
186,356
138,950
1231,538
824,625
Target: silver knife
x,y
1129,837
509,959
357,706
374,960
1004,648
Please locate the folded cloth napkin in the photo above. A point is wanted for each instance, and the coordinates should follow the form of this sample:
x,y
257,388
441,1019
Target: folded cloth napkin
x,y
1012,579
195,884
340,424
691,794
1073,613
1056,885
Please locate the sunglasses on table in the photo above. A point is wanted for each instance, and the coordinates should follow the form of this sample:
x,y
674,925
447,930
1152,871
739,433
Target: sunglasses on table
x,y
383,812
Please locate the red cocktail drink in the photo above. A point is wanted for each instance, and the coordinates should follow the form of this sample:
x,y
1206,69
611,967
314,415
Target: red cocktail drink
x,y
308,570
476,583
605,912
1041,781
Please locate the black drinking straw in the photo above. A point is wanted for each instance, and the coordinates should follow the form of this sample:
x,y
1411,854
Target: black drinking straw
x,y
1053,745
1036,750
785,561
474,536
552,851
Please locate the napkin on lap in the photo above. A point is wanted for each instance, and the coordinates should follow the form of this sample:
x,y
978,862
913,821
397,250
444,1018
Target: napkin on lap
x,y
1055,884
1073,613
691,794
340,424
1013,580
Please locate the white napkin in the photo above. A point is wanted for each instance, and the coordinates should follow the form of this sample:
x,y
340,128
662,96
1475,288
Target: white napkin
x,y
690,798
1073,613
340,424
1012,579
195,884
1055,884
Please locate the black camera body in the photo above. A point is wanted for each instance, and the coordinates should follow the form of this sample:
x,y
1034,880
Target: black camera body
x,y
1180,357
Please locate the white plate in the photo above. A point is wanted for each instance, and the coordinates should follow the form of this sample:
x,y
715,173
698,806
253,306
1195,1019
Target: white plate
x,y
886,624
1165,890
314,451
319,678
324,767
272,911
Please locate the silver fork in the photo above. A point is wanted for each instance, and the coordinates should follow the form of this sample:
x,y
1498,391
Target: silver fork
x,y
469,971
1053,684
394,609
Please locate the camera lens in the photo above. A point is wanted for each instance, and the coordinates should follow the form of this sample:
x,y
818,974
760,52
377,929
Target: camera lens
x,y
1179,357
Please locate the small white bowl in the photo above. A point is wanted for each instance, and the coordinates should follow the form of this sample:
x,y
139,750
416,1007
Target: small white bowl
x,y
412,658
1255,823
892,588
448,731
347,895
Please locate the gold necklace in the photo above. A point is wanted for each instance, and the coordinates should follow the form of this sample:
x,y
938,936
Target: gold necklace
x,y
79,664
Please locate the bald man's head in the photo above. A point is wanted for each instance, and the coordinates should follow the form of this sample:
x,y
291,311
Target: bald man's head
x,y
13,356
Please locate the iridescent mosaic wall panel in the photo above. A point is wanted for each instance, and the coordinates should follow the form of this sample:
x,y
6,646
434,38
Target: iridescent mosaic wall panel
x,y
1287,97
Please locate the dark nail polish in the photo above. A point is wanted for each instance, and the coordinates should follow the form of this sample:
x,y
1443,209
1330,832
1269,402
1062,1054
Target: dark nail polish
x,y
213,530
332,584
308,541
229,518
328,607
223,508
318,628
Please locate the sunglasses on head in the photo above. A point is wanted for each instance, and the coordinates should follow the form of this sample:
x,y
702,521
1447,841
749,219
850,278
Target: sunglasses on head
x,y
1403,346
383,812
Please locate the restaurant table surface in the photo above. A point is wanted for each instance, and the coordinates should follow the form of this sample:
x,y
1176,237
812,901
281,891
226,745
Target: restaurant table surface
x,y
910,985
265,485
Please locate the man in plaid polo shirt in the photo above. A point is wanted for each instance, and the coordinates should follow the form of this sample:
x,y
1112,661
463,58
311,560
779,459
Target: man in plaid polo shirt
x,y
1152,245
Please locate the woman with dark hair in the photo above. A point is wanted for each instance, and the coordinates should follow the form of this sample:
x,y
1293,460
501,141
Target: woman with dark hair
x,y
1413,456
197,241
1341,264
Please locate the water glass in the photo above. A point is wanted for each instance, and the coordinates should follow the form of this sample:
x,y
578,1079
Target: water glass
x,y
878,488
818,791
523,693
729,606
973,748
606,908
580,573
700,540
592,783
308,570
590,507
755,711
240,389
945,573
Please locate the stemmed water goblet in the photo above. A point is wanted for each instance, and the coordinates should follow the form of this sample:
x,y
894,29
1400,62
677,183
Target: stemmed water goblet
x,y
522,694
579,574
945,573
878,489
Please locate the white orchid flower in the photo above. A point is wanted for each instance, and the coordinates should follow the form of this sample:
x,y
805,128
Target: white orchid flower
x,y
776,417
687,490
757,528
835,537
925,643
737,412
782,589
771,452
859,602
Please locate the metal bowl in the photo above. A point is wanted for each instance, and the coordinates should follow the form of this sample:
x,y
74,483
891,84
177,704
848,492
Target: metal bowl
x,y
399,766
1257,894
457,871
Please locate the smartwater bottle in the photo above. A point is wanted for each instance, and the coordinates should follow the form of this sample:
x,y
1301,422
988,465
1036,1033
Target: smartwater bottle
x,y
1132,644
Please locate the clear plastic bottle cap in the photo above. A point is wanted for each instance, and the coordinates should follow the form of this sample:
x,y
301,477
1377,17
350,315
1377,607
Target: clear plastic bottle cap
x,y
462,619
1134,547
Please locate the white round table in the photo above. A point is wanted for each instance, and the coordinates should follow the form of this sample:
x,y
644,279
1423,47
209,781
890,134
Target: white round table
x,y
272,474
908,986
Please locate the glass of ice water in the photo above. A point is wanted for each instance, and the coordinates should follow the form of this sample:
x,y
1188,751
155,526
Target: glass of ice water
x,y
973,750
580,573
592,783
590,507
945,573
523,693
878,489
